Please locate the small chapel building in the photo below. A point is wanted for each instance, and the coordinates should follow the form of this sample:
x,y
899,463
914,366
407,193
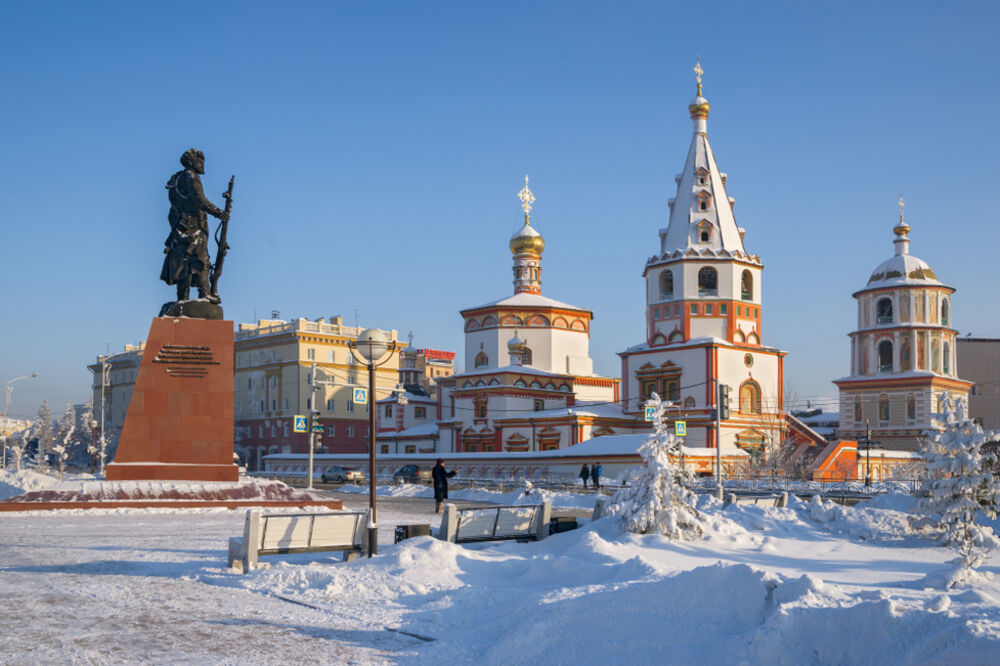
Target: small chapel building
x,y
529,381
903,352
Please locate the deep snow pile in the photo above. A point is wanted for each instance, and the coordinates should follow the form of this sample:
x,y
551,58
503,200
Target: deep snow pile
x,y
17,482
814,582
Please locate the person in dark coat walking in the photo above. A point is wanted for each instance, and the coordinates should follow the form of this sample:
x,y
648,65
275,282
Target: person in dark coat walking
x,y
595,475
440,477
584,474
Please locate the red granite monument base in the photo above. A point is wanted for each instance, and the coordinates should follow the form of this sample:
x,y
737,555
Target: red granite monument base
x,y
179,424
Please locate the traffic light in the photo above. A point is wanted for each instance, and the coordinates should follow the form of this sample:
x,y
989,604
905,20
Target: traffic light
x,y
314,424
724,411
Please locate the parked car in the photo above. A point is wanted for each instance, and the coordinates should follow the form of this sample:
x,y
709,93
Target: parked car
x,y
413,474
339,474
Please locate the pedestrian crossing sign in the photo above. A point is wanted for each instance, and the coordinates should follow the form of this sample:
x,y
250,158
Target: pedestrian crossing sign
x,y
360,396
300,423
680,428
650,413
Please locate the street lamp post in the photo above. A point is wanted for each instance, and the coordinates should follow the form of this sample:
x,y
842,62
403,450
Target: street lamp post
x,y
373,349
8,392
868,454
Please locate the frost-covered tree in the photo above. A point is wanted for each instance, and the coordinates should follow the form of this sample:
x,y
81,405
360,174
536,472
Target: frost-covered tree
x,y
959,484
656,499
43,432
64,431
83,438
17,444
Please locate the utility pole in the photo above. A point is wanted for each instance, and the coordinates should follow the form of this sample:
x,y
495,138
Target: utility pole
x,y
105,369
868,454
313,419
718,439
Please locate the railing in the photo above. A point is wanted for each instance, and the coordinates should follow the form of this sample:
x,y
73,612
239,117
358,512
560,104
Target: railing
x,y
883,319
708,292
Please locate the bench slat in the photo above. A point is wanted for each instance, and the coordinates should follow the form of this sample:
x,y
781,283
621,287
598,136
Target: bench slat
x,y
334,530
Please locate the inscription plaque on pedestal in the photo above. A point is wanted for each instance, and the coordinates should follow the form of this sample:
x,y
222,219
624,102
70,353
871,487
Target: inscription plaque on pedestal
x,y
179,424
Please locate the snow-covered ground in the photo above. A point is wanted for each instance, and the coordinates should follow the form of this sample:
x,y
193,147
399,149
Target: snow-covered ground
x,y
812,583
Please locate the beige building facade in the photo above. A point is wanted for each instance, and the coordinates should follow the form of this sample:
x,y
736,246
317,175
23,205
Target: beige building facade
x,y
979,359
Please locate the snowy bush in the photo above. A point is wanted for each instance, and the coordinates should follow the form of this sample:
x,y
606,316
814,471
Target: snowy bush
x,y
656,499
959,484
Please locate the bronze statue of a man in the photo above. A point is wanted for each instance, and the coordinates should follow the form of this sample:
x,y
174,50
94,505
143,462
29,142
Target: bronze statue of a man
x,y
187,262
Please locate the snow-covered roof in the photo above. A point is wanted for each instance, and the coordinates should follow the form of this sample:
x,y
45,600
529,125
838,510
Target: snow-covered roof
x,y
903,269
526,300
422,430
520,369
411,397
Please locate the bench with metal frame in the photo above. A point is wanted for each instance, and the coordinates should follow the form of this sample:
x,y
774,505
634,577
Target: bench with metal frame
x,y
527,522
281,533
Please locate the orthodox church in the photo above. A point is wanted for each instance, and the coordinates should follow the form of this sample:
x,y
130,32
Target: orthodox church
x,y
529,383
902,352
704,315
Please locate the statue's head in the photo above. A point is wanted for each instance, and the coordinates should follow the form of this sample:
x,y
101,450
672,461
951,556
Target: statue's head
x,y
194,159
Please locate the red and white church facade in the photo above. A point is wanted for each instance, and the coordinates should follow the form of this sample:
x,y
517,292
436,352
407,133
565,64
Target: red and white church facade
x,y
704,315
529,383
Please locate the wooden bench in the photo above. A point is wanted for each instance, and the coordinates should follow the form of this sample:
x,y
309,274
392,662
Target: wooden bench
x,y
280,533
495,523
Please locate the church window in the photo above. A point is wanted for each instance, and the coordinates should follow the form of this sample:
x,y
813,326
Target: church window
x,y
480,408
705,235
945,357
526,356
677,311
746,286
666,284
883,408
694,309
883,311
664,381
689,403
944,311
676,336
420,412
911,408
388,411
723,309
904,354
739,336
311,354
539,404
935,354
885,356
857,410
708,309
708,282
750,398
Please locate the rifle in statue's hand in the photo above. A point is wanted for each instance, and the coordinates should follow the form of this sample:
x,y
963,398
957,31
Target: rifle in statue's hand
x,y
220,240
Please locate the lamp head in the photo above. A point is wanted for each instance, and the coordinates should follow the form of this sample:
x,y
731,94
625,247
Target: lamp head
x,y
372,344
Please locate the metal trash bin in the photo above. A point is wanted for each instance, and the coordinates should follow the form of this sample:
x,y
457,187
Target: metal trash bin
x,y
562,524
410,531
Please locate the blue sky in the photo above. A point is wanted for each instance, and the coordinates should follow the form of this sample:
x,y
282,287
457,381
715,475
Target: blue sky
x,y
378,149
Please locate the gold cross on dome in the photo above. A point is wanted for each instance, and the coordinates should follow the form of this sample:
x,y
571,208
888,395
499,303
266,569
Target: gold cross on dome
x,y
526,197
698,71
901,205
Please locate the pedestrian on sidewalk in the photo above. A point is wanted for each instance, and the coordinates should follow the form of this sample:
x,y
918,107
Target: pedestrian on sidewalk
x,y
595,475
584,474
440,477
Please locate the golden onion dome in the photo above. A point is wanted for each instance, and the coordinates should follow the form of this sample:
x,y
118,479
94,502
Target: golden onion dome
x,y
699,107
526,239
515,343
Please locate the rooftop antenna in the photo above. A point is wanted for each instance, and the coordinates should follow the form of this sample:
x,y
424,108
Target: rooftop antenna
x,y
357,314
